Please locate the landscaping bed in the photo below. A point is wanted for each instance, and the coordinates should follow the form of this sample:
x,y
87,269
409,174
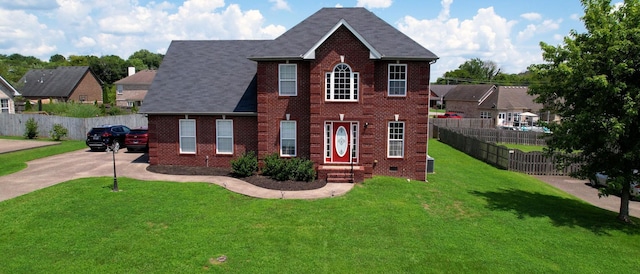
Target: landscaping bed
x,y
257,180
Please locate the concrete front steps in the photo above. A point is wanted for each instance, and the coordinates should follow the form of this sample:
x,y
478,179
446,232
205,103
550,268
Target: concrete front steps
x,y
341,173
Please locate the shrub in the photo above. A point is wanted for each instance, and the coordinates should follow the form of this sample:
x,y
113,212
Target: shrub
x,y
58,132
304,170
288,169
31,129
272,164
245,165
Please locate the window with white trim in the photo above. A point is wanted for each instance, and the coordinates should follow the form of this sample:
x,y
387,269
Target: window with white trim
x,y
288,138
485,114
288,83
224,136
397,80
395,146
342,84
188,136
4,105
119,89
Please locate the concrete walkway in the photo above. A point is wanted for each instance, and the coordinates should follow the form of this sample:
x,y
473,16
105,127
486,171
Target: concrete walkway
x,y
52,170
7,145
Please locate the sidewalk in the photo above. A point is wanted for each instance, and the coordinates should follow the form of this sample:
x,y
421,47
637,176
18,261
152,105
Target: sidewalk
x,y
52,170
7,145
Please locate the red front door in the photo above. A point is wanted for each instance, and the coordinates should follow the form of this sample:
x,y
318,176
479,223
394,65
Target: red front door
x,y
341,150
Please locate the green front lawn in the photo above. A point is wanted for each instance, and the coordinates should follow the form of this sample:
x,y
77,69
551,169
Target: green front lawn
x,y
469,218
15,161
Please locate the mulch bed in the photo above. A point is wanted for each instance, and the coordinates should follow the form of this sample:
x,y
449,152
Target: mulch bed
x,y
257,180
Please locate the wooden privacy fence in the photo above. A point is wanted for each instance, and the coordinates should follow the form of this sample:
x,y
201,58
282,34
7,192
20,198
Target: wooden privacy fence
x,y
532,163
435,123
494,135
14,124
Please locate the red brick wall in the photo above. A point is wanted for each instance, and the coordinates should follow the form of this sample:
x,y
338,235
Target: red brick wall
x,y
373,107
89,87
164,140
273,108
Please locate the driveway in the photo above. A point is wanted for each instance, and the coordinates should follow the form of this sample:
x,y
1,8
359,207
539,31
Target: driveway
x,y
582,190
52,170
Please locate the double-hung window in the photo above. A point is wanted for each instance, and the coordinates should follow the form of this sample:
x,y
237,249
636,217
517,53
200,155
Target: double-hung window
x,y
395,146
4,105
188,136
224,136
397,80
288,84
288,138
342,84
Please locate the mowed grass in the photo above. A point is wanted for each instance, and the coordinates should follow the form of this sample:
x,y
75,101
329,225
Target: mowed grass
x,y
15,161
523,148
468,218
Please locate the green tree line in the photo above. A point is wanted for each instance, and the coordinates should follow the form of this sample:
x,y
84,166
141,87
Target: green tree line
x,y
108,68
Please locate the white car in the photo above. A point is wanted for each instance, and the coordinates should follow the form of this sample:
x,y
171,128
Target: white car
x,y
601,180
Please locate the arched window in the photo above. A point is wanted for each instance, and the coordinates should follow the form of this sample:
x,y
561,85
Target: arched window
x,y
342,84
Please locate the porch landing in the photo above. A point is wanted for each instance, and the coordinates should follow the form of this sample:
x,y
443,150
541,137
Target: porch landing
x,y
341,173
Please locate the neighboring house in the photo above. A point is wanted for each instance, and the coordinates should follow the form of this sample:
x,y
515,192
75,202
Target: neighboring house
x,y
7,93
510,106
438,92
130,91
342,88
465,99
78,84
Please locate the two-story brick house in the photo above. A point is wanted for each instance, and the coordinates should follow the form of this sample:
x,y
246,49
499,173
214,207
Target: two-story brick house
x,y
342,88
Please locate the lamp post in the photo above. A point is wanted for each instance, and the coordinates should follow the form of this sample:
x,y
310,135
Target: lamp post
x,y
114,148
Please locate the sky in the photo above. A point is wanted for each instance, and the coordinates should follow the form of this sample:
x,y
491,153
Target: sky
x,y
507,32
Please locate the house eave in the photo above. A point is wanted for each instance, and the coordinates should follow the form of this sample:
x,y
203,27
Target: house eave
x,y
163,113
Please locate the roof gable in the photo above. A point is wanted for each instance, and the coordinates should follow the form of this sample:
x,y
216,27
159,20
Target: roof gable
x,y
383,40
59,82
7,88
311,54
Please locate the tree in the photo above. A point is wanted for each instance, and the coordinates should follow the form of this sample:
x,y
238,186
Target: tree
x,y
591,81
474,71
150,60
57,58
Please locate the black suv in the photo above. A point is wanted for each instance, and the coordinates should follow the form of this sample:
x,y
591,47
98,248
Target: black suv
x,y
99,137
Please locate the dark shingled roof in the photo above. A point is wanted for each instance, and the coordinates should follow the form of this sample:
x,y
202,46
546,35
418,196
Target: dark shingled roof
x,y
143,77
441,90
205,77
59,82
469,93
511,97
382,37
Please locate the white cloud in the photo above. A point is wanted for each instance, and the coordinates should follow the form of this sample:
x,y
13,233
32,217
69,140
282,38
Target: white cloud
x,y
28,4
27,36
372,4
531,30
280,5
575,16
531,16
121,27
84,42
487,36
